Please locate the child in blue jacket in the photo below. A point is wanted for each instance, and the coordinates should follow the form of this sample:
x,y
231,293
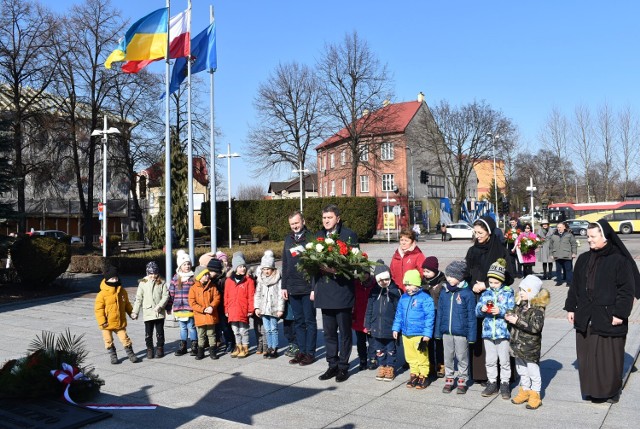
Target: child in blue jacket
x,y
456,325
494,303
414,318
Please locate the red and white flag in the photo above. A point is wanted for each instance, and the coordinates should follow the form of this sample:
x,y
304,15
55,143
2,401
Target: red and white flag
x,y
179,42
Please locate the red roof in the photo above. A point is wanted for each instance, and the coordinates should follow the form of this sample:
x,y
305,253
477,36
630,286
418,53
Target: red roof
x,y
391,119
156,171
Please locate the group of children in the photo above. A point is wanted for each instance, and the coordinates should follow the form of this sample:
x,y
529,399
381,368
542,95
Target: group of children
x,y
208,302
435,317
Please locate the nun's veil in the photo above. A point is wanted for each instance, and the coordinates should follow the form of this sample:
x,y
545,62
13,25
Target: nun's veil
x,y
613,238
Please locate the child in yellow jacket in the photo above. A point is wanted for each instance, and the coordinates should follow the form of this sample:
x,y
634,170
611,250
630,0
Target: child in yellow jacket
x,y
111,308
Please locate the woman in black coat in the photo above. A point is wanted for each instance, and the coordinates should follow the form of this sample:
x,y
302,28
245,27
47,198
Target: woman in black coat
x,y
598,304
486,249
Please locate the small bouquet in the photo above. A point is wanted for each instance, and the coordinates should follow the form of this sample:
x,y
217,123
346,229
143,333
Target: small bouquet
x,y
530,242
331,256
511,235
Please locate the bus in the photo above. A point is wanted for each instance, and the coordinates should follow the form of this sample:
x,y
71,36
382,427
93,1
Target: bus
x,y
624,216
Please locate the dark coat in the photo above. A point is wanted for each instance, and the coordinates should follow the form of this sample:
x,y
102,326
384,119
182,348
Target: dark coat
x,y
334,291
612,294
434,286
381,310
293,281
478,262
526,333
456,314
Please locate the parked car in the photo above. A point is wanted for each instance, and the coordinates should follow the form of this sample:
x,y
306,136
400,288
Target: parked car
x,y
459,230
53,233
578,227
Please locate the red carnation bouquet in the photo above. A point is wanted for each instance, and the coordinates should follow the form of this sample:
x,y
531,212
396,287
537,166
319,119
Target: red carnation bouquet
x,y
511,235
530,241
332,256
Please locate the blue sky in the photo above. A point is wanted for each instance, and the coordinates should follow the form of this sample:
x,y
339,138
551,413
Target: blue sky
x,y
523,58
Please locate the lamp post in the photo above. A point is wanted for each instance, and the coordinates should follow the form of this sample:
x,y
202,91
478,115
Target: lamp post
x,y
229,155
531,188
105,139
301,171
495,176
413,191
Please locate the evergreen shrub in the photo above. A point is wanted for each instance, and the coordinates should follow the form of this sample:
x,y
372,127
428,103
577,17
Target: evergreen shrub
x,y
40,260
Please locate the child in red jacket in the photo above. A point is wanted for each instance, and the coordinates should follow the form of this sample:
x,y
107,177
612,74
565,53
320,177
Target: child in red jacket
x,y
239,292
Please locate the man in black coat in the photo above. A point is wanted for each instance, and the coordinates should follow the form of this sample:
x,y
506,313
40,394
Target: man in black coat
x,y
297,290
335,296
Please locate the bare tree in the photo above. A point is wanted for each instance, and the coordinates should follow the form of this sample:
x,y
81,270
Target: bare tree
x,y
251,192
461,141
582,134
352,83
26,42
289,119
628,138
554,137
606,131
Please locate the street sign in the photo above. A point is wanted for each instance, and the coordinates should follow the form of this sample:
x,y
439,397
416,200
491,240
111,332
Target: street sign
x,y
389,221
388,200
397,210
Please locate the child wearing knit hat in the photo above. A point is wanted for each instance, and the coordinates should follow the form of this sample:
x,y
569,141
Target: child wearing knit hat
x,y
204,299
456,325
527,321
239,290
493,305
151,297
433,281
381,309
179,288
415,318
268,302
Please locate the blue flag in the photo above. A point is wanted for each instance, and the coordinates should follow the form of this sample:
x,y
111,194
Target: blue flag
x,y
203,53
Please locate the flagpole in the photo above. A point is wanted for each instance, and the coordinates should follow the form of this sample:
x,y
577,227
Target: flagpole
x,y
167,164
212,150
192,247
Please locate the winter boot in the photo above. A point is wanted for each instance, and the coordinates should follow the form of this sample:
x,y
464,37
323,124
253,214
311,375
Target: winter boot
x,y
199,353
244,351
160,352
182,349
235,352
422,383
505,392
261,348
194,348
274,353
267,354
413,380
390,373
490,390
462,386
149,352
448,385
440,372
113,355
382,371
521,397
131,355
213,353
534,400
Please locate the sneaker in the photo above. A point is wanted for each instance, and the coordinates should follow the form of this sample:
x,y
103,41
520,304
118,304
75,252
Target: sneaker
x,y
462,387
390,373
505,392
292,350
491,389
423,383
413,380
382,372
448,385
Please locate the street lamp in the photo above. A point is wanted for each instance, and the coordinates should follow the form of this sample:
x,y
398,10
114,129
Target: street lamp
x,y
413,191
104,133
229,155
301,171
495,177
531,188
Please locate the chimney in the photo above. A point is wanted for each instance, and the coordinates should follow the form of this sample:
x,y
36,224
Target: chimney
x,y
420,97
385,103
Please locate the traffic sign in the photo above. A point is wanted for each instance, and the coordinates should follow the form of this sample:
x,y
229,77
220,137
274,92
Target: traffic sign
x,y
397,210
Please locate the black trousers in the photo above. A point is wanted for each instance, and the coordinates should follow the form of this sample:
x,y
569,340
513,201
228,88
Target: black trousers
x,y
364,345
338,338
149,327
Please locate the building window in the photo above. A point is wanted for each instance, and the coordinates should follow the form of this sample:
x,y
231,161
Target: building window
x,y
325,189
332,160
364,184
387,183
364,153
333,188
343,157
344,186
386,151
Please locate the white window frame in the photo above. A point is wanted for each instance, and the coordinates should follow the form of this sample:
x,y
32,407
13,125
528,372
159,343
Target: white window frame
x,y
387,182
332,160
364,153
344,186
343,157
386,151
364,184
333,188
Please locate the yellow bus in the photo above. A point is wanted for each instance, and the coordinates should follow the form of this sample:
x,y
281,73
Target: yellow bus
x,y
624,221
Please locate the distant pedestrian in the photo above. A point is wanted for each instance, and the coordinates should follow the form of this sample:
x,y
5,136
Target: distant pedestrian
x,y
111,308
417,231
564,249
151,297
526,322
526,257
544,255
443,231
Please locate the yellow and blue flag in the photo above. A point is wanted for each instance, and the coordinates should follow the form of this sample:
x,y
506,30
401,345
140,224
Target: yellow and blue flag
x,y
145,40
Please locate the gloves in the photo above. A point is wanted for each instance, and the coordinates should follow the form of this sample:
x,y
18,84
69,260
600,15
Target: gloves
x,y
422,347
